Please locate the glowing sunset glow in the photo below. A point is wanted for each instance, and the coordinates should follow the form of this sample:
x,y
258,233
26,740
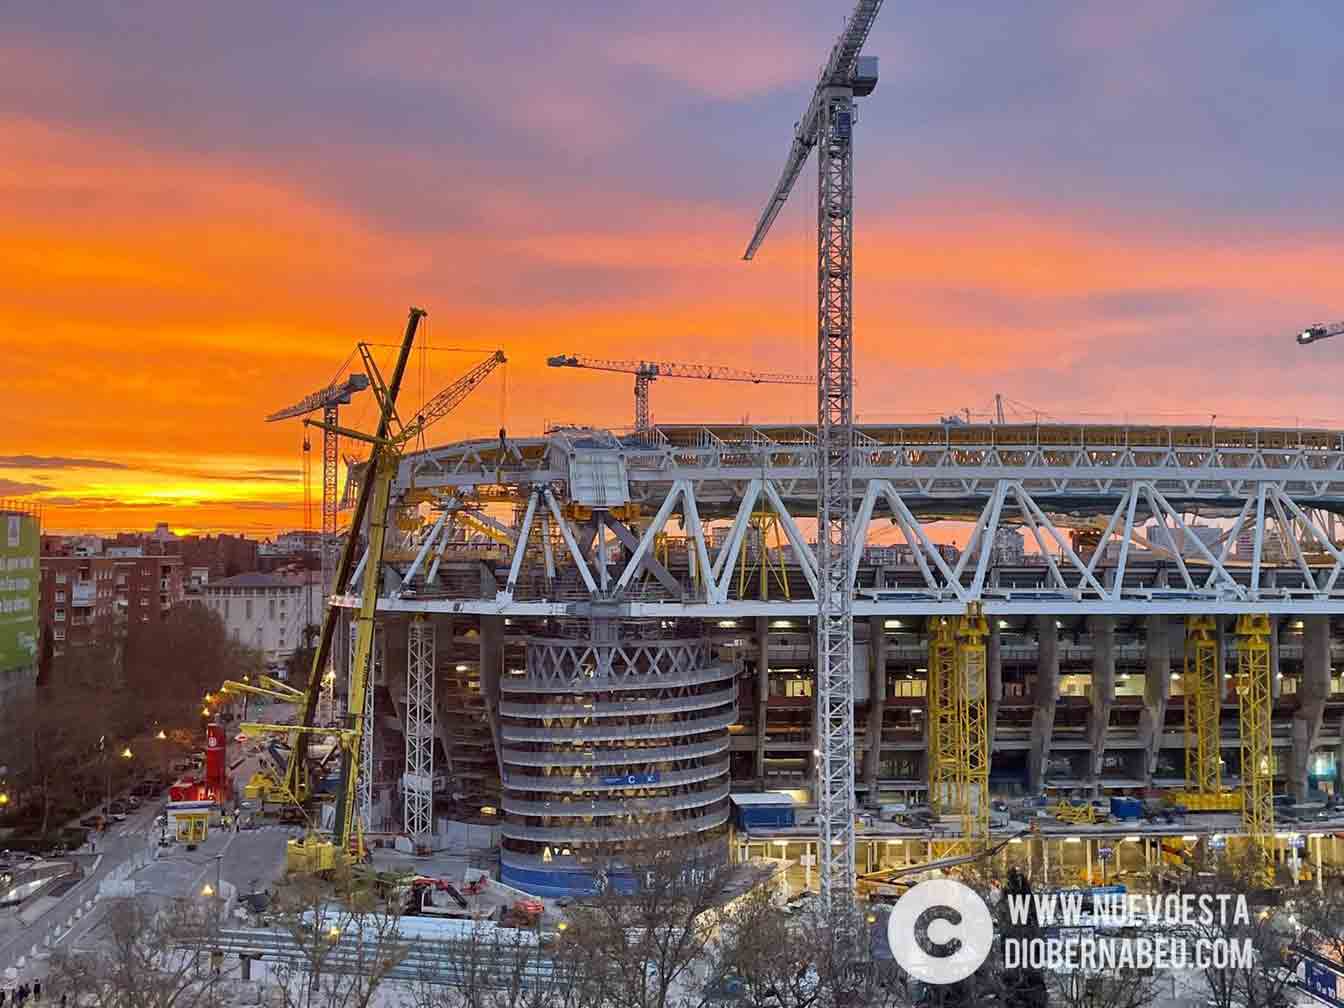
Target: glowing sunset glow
x,y
1100,217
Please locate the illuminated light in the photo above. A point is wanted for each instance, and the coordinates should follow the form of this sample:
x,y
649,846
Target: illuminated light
x,y
1016,839
488,810
872,918
726,623
781,623
1003,624
161,736
334,933
1131,839
461,668
205,712
207,890
1190,838
916,710
561,926
921,669
892,624
816,752
1073,839
4,798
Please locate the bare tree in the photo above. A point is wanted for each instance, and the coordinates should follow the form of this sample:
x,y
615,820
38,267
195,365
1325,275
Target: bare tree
x,y
637,942
141,956
348,946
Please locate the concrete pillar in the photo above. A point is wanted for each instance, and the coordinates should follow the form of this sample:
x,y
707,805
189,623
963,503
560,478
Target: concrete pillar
x,y
1156,690
1102,630
877,705
492,665
762,694
1312,690
1047,696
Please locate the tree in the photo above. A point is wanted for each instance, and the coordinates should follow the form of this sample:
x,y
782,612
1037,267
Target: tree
x,y
634,943
348,946
144,959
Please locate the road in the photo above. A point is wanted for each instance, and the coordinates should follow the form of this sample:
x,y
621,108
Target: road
x,y
247,860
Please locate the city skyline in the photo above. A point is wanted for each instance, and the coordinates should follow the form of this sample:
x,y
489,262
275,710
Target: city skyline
x,y
1058,205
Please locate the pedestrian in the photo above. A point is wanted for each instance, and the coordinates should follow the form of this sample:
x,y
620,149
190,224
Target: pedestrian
x,y
3,992
37,990
62,1001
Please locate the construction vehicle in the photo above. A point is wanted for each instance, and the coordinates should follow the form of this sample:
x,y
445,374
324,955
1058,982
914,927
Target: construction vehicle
x,y
316,852
646,372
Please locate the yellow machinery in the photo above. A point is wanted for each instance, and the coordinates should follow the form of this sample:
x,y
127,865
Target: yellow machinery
x,y
1080,814
1255,701
1202,684
315,853
958,732
193,827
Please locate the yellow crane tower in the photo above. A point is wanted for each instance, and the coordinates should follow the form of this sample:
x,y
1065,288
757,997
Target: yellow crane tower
x,y
386,445
1255,706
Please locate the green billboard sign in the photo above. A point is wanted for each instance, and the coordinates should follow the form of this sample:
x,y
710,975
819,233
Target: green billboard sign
x,y
19,573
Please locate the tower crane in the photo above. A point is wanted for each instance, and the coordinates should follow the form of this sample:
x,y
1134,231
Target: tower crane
x,y
646,372
371,504
828,125
328,400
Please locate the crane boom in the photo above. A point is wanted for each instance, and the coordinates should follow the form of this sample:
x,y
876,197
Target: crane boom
x,y
646,371
450,398
842,69
664,369
332,395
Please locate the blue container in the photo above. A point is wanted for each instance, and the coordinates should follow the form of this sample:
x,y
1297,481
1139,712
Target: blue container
x,y
1127,808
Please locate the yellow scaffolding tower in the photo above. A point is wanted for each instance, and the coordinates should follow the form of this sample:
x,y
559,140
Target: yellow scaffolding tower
x,y
1255,702
1202,684
944,741
958,733
973,772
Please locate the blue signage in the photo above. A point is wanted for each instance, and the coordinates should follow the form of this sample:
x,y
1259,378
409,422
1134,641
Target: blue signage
x,y
632,780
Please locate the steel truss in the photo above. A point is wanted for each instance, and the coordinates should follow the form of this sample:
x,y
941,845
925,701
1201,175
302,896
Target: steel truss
x,y
1202,685
418,780
1255,701
1284,504
958,730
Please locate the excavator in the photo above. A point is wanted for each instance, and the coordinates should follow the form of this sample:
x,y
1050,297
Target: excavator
x,y
300,785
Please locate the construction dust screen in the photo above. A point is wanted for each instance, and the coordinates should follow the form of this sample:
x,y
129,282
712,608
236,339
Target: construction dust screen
x,y
19,540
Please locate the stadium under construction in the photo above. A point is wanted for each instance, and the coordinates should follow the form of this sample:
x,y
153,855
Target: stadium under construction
x,y
588,638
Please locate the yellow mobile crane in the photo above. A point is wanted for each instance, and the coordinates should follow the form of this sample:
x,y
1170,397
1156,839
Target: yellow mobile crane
x,y
316,853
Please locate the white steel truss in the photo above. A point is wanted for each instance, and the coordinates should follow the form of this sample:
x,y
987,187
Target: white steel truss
x,y
1164,516
418,780
367,749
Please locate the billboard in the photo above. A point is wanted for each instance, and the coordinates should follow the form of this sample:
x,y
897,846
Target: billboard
x,y
19,573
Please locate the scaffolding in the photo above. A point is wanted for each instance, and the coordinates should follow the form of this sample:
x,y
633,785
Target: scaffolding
x,y
418,782
1255,703
765,536
958,732
1202,685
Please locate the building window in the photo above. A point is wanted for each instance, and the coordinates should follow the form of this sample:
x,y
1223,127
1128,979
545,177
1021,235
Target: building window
x,y
60,579
247,609
270,609
60,596
59,633
60,615
144,601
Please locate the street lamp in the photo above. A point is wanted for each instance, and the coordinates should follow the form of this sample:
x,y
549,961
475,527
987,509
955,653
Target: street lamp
x,y
162,736
1319,331
126,753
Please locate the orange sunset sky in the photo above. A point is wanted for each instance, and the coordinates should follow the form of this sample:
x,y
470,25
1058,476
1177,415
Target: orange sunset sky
x,y
1100,210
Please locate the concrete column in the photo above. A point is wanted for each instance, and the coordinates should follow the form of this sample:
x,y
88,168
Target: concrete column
x,y
492,665
762,693
1047,696
993,679
1102,630
1156,690
1312,690
877,704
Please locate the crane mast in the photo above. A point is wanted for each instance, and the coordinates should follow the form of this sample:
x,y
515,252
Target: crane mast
x,y
646,372
828,125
